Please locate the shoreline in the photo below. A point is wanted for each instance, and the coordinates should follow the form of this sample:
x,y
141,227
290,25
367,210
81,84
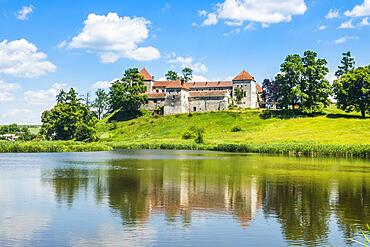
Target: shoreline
x,y
290,149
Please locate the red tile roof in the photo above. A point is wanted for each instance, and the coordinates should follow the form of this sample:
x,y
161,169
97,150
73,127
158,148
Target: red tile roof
x,y
170,84
145,74
243,76
218,93
210,84
156,95
259,88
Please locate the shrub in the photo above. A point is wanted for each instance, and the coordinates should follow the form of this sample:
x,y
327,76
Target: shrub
x,y
236,129
195,133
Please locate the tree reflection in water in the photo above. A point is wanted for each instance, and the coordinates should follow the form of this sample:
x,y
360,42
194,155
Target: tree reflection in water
x,y
302,194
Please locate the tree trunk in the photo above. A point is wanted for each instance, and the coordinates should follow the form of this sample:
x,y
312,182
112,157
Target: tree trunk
x,y
363,113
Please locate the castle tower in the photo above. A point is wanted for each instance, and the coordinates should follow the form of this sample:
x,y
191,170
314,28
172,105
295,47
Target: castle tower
x,y
246,84
148,79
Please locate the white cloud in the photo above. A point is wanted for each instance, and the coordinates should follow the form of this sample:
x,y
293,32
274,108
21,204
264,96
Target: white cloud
x,y
344,39
232,32
265,12
103,84
22,58
249,27
333,14
183,62
44,97
6,90
321,28
331,77
365,22
359,10
113,37
347,25
211,20
4,86
199,78
24,12
6,97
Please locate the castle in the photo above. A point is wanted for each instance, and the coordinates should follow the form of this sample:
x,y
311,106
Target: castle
x,y
176,97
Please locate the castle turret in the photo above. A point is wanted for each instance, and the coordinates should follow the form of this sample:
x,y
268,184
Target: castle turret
x,y
148,79
244,83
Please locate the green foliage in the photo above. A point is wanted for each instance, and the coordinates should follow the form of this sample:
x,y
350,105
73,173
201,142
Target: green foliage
x,y
239,94
195,133
236,129
22,132
348,64
101,103
302,81
187,74
314,88
172,76
51,147
127,94
352,90
69,119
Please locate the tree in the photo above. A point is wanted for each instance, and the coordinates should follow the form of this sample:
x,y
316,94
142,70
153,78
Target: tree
x,y
127,94
68,119
352,90
101,103
348,63
239,94
289,79
314,88
270,91
172,76
187,74
302,81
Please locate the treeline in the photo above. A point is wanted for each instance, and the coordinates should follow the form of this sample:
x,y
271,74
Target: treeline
x,y
74,118
301,83
21,132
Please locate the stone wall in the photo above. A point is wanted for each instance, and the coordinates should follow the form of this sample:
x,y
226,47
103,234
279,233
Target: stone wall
x,y
250,94
176,102
208,104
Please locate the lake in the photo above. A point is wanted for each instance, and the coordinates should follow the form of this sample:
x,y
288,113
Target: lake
x,y
181,198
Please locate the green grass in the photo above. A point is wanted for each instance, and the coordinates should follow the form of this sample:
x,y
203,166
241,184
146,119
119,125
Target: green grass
x,y
332,133
51,147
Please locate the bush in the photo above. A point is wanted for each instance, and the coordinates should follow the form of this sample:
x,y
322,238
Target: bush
x,y
195,133
236,129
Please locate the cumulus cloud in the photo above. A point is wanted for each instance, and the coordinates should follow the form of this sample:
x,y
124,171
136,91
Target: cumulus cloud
x,y
333,14
365,22
265,12
22,58
347,25
344,39
103,84
24,12
44,97
359,10
113,37
6,90
188,62
321,28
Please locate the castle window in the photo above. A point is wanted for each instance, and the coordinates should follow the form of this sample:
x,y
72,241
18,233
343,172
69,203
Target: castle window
x,y
194,108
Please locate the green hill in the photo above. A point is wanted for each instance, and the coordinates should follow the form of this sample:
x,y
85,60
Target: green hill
x,y
256,127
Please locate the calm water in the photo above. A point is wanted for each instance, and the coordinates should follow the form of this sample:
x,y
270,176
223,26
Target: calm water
x,y
179,198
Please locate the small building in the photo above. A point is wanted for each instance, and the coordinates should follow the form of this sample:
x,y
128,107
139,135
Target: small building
x,y
176,97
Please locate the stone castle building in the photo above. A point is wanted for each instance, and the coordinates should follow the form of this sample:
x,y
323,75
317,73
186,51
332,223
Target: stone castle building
x,y
176,97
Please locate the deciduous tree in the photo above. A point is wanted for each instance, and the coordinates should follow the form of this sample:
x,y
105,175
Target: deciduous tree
x,y
127,94
352,90
348,63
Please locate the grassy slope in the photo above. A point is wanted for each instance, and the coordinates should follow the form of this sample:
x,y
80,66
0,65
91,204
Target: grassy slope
x,y
218,125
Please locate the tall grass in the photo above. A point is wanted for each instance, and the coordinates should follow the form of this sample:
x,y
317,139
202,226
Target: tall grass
x,y
315,150
51,147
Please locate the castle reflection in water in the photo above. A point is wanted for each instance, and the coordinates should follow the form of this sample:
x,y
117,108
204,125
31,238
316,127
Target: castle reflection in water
x,y
302,200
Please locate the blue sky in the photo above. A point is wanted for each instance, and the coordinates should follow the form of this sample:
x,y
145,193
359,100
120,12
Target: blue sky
x,y
49,45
